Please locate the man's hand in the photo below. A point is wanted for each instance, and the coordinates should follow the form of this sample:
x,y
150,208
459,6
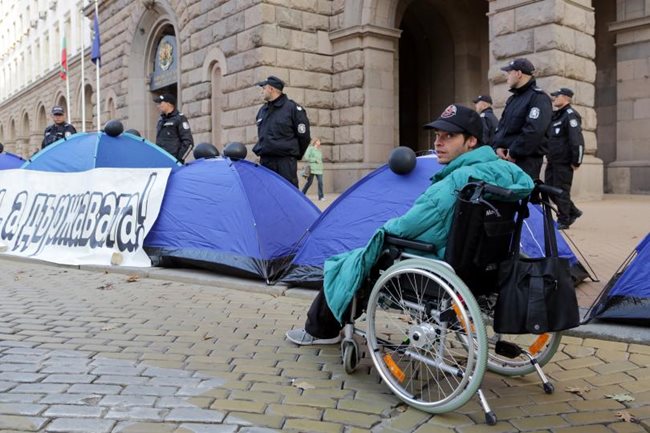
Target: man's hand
x,y
502,153
510,158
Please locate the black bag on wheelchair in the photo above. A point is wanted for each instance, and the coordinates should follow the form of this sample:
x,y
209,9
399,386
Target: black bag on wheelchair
x,y
481,235
536,295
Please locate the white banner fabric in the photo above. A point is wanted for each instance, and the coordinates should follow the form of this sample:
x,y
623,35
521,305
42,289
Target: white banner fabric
x,y
97,217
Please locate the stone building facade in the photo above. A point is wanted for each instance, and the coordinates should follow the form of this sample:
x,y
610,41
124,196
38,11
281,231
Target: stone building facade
x,y
370,72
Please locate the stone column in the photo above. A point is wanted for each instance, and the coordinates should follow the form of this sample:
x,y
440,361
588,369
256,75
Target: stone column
x,y
35,141
365,100
558,37
630,173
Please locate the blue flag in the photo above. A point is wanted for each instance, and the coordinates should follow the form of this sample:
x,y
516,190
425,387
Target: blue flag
x,y
95,54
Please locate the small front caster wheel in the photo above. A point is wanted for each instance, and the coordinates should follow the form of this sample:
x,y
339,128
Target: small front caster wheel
x,y
490,418
549,388
350,355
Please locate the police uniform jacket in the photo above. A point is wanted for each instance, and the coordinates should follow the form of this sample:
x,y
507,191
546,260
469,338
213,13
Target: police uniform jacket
x,y
282,129
56,132
524,122
566,144
490,123
174,134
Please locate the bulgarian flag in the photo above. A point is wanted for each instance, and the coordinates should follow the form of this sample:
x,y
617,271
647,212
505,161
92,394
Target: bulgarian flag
x,y
63,72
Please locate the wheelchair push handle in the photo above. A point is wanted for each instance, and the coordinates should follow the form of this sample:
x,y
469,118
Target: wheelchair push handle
x,y
547,189
497,190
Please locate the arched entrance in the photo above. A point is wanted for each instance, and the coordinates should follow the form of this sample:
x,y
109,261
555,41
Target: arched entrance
x,y
154,60
443,58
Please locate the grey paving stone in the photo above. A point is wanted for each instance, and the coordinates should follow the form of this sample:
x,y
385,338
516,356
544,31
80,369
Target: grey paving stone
x,y
121,380
45,388
149,390
69,378
73,411
80,425
11,397
18,376
64,369
195,414
84,399
10,343
27,368
166,372
4,386
21,423
127,400
137,413
21,408
207,428
174,381
27,351
174,402
117,370
94,389
20,359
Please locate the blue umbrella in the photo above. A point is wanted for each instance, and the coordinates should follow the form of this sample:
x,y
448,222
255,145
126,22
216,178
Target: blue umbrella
x,y
9,160
85,151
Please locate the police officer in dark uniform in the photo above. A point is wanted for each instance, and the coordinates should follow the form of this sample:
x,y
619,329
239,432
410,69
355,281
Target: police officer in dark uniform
x,y
521,134
59,129
282,131
483,106
565,152
173,130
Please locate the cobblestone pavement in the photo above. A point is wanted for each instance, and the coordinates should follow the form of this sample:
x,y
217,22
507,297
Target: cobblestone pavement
x,y
92,352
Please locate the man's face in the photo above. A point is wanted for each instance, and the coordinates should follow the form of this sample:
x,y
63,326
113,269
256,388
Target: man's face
x,y
269,92
560,101
481,105
58,118
165,107
450,145
513,78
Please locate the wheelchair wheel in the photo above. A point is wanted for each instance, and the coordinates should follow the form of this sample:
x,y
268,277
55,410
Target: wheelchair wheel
x,y
420,314
350,355
542,347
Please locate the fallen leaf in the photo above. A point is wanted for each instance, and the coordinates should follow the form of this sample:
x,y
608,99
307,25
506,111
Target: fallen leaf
x,y
626,416
304,385
108,286
577,390
620,397
208,337
132,278
401,408
109,327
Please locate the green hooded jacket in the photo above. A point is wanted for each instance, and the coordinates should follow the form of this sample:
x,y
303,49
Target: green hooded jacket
x,y
315,158
429,220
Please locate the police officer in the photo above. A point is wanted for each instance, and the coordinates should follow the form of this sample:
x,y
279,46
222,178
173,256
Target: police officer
x,y
483,106
565,152
521,134
59,129
282,131
173,129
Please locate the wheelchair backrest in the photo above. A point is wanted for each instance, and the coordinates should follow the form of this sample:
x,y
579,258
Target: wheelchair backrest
x,y
482,233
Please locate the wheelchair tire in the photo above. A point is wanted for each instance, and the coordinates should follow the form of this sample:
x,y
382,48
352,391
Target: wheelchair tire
x,y
350,354
542,347
419,315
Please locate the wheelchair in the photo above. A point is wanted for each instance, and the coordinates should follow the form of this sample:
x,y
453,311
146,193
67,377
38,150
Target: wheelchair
x,y
428,323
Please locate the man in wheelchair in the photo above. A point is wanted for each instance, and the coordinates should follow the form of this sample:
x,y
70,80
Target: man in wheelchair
x,y
458,146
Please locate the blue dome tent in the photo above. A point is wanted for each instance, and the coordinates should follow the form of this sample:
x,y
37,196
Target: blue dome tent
x,y
85,151
230,217
351,220
9,161
626,297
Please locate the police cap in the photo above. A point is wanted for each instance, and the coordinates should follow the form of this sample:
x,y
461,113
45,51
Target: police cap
x,y
486,98
57,109
563,91
165,97
457,118
272,81
523,65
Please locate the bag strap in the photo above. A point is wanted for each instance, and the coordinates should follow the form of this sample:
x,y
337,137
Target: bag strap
x,y
550,241
522,214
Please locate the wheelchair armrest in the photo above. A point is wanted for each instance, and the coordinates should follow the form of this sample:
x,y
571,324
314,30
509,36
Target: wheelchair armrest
x,y
406,243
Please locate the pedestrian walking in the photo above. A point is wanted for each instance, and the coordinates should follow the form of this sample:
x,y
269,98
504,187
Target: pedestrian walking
x,y
483,105
173,131
565,152
314,158
521,133
57,130
282,131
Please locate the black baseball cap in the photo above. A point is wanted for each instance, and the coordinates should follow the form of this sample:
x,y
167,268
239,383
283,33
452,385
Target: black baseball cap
x,y
563,91
457,118
486,98
272,81
523,65
165,97
57,109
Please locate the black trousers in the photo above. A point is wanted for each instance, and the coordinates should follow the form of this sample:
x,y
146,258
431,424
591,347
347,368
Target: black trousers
x,y
561,176
285,166
531,165
321,322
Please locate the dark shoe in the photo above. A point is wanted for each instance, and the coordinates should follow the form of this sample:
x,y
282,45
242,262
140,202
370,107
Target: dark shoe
x,y
575,216
563,226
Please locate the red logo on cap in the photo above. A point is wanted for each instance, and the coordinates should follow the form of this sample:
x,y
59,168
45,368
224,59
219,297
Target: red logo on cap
x,y
449,112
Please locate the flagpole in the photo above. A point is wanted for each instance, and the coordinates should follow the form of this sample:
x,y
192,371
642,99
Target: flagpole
x,y
83,74
98,66
67,79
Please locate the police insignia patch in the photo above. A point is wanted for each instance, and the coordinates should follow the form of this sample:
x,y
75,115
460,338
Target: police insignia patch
x,y
67,134
298,107
573,123
450,111
534,113
302,128
557,131
186,125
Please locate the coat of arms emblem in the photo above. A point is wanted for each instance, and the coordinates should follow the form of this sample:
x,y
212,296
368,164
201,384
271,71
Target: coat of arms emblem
x,y
165,55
